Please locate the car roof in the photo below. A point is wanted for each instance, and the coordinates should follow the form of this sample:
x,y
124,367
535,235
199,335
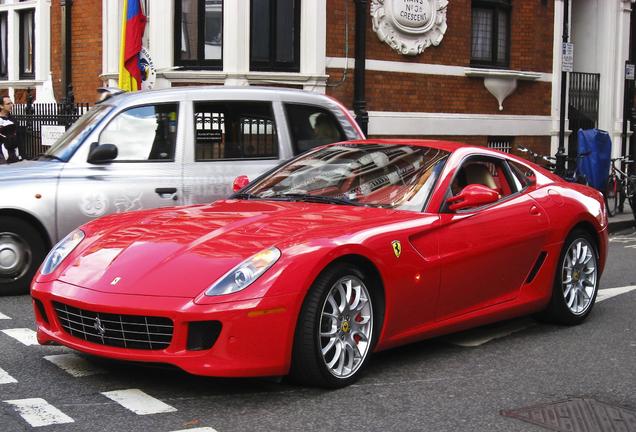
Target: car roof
x,y
449,146
273,93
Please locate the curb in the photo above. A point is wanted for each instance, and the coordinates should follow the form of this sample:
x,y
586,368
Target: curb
x,y
620,225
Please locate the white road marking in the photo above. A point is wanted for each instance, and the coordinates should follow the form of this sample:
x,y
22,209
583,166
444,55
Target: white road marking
x,y
138,402
3,316
5,378
74,365
482,335
23,335
38,412
605,294
201,429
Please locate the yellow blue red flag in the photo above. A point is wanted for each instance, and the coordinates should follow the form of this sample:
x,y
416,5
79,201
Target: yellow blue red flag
x,y
132,31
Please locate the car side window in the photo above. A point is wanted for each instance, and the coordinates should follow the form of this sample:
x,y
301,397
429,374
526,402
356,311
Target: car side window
x,y
489,172
234,130
521,175
311,126
143,133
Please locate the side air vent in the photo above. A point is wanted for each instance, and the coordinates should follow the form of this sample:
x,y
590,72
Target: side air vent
x,y
537,266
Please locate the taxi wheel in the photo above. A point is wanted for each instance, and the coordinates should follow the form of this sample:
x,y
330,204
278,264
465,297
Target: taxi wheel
x,y
21,252
337,329
576,281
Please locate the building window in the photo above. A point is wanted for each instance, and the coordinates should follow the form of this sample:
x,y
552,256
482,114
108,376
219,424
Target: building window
x,y
3,46
491,33
27,44
275,35
199,33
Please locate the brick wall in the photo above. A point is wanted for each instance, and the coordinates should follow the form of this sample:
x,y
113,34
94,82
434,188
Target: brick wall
x,y
531,50
86,50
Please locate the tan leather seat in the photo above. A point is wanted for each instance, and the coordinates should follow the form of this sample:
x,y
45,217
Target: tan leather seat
x,y
477,173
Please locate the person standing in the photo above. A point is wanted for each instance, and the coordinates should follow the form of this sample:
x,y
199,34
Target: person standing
x,y
9,152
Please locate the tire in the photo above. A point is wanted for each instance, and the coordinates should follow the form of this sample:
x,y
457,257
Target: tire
x,y
333,341
21,252
571,302
611,196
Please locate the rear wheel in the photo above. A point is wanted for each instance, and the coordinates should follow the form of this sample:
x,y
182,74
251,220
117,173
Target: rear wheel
x,y
611,195
336,330
21,252
576,281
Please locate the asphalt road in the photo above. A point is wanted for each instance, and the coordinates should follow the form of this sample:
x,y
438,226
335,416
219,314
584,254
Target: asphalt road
x,y
456,383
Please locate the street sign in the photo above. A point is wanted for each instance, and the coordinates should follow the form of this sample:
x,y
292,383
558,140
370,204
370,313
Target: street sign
x,y
567,63
629,72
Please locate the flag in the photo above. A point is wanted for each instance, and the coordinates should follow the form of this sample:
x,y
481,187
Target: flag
x,y
133,24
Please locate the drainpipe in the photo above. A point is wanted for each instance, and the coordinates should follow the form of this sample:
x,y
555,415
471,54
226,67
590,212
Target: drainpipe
x,y
66,6
359,103
561,155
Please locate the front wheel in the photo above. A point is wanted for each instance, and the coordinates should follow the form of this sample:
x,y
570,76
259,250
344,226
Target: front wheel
x,y
21,252
576,281
337,329
611,195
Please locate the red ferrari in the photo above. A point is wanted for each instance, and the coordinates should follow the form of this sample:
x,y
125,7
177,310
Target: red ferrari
x,y
346,250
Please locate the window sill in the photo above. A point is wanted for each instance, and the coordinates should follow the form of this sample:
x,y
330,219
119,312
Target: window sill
x,y
220,77
501,83
21,83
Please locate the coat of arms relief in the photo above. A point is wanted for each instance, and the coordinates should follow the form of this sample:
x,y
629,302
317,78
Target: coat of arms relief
x,y
409,26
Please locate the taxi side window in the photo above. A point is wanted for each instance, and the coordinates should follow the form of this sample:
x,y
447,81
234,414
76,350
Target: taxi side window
x,y
144,133
234,130
311,126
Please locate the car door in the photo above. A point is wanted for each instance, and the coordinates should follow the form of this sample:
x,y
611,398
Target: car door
x,y
486,253
229,138
146,173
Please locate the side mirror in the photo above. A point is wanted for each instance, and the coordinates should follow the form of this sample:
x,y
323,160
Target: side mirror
x,y
102,153
239,183
473,195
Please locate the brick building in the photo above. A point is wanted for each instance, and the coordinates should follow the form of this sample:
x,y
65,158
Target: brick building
x,y
490,75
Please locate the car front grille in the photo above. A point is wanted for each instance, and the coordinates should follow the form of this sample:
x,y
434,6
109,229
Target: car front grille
x,y
124,331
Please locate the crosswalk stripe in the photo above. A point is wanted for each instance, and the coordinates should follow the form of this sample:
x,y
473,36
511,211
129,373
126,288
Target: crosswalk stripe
x,y
605,294
3,316
5,378
38,412
201,429
23,335
138,402
74,365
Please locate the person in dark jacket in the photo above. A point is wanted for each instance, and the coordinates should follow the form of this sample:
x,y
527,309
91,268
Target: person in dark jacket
x,y
8,133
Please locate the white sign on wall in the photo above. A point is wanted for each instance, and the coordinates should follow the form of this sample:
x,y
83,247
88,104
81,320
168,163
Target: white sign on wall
x,y
50,134
409,26
630,72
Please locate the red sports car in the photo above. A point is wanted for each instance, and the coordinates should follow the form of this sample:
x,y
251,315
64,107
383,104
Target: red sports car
x,y
348,249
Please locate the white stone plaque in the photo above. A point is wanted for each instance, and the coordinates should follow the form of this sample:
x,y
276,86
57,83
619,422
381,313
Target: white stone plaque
x,y
50,134
409,26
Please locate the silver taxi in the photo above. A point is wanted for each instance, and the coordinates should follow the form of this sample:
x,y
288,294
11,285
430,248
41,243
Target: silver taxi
x,y
151,149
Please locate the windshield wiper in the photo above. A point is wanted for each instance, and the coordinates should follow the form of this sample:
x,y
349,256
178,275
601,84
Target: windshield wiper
x,y
48,157
313,198
244,195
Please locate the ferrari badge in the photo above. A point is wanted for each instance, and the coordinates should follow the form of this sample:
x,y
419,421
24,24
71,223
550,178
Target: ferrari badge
x,y
397,248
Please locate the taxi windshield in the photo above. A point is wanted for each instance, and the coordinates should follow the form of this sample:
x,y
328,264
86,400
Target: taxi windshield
x,y
375,175
66,145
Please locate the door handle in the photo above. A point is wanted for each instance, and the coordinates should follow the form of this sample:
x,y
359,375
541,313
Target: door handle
x,y
169,192
535,211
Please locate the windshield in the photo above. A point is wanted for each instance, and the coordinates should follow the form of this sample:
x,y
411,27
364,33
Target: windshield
x,y
376,175
66,145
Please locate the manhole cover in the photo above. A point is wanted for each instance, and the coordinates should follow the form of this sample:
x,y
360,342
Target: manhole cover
x,y
577,415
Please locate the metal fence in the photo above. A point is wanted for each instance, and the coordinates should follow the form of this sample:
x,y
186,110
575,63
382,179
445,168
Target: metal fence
x,y
32,116
583,106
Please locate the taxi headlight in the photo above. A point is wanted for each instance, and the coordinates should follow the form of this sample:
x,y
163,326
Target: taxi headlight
x,y
242,276
61,251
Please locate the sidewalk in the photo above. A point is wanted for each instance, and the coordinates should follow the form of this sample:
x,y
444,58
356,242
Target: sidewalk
x,y
622,221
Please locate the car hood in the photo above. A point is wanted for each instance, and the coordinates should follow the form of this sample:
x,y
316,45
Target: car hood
x,y
30,170
180,252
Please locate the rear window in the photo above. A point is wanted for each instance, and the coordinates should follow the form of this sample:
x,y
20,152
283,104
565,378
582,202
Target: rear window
x,y
234,130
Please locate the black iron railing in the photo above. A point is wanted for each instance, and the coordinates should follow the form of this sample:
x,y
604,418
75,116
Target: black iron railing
x,y
32,116
583,106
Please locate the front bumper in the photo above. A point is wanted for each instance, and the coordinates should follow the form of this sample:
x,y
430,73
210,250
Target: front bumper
x,y
255,340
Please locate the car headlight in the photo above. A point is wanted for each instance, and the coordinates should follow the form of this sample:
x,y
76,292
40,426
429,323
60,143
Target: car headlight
x,y
242,276
61,251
